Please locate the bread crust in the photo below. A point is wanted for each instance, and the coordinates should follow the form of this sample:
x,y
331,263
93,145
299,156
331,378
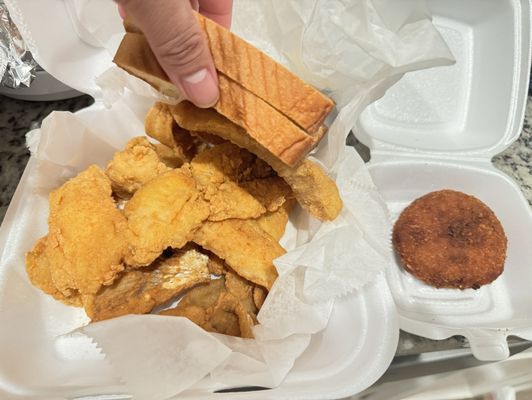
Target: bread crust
x,y
261,75
267,79
271,129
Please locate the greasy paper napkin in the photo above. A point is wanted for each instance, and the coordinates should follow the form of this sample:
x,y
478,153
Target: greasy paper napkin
x,y
353,50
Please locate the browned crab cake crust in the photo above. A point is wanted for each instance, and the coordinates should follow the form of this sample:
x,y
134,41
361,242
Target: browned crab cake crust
x,y
449,239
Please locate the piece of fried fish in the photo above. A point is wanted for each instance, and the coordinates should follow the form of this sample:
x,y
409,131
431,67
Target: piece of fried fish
x,y
225,305
313,189
134,166
139,290
244,246
164,213
85,247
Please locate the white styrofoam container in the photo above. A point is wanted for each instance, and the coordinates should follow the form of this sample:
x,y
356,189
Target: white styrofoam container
x,y
439,129
350,354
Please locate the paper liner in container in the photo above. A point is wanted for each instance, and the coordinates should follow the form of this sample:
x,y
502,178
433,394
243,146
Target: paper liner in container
x,y
324,260
180,353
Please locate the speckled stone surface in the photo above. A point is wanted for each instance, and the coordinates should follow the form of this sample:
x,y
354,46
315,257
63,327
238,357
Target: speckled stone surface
x,y
516,160
17,117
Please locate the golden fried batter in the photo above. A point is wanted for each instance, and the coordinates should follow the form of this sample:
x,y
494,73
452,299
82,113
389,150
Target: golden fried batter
x,y
224,305
38,271
164,213
134,166
160,125
270,192
450,239
198,305
245,308
85,246
245,247
274,222
215,170
236,163
216,264
172,194
259,295
138,291
313,189
168,155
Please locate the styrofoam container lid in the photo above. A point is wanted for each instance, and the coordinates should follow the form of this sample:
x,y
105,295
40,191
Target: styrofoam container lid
x,y
439,129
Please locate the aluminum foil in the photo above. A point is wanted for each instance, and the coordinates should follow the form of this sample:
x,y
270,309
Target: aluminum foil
x,y
17,66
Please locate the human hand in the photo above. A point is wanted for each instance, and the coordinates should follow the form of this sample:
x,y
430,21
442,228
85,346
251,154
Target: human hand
x,y
178,42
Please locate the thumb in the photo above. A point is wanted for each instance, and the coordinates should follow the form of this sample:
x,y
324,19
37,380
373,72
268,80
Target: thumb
x,y
179,45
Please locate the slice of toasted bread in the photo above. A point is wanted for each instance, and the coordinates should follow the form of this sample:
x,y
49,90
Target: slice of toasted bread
x,y
135,56
261,121
262,76
314,190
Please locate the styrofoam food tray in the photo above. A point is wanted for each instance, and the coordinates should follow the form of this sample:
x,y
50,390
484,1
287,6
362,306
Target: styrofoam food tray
x,y
439,129
351,353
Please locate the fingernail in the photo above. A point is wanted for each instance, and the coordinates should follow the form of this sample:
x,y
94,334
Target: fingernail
x,y
201,88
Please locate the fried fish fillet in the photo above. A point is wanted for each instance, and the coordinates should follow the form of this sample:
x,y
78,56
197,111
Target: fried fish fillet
x,y
274,222
199,305
85,247
38,270
169,156
243,305
236,163
313,189
259,296
164,213
224,305
215,171
272,192
138,291
160,125
134,166
245,247
216,264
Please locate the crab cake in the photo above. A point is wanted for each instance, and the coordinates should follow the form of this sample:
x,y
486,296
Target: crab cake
x,y
449,239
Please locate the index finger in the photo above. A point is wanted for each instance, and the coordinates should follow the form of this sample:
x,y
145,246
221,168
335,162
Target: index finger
x,y
220,11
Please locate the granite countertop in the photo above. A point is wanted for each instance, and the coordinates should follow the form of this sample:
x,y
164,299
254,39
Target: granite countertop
x,y
17,117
